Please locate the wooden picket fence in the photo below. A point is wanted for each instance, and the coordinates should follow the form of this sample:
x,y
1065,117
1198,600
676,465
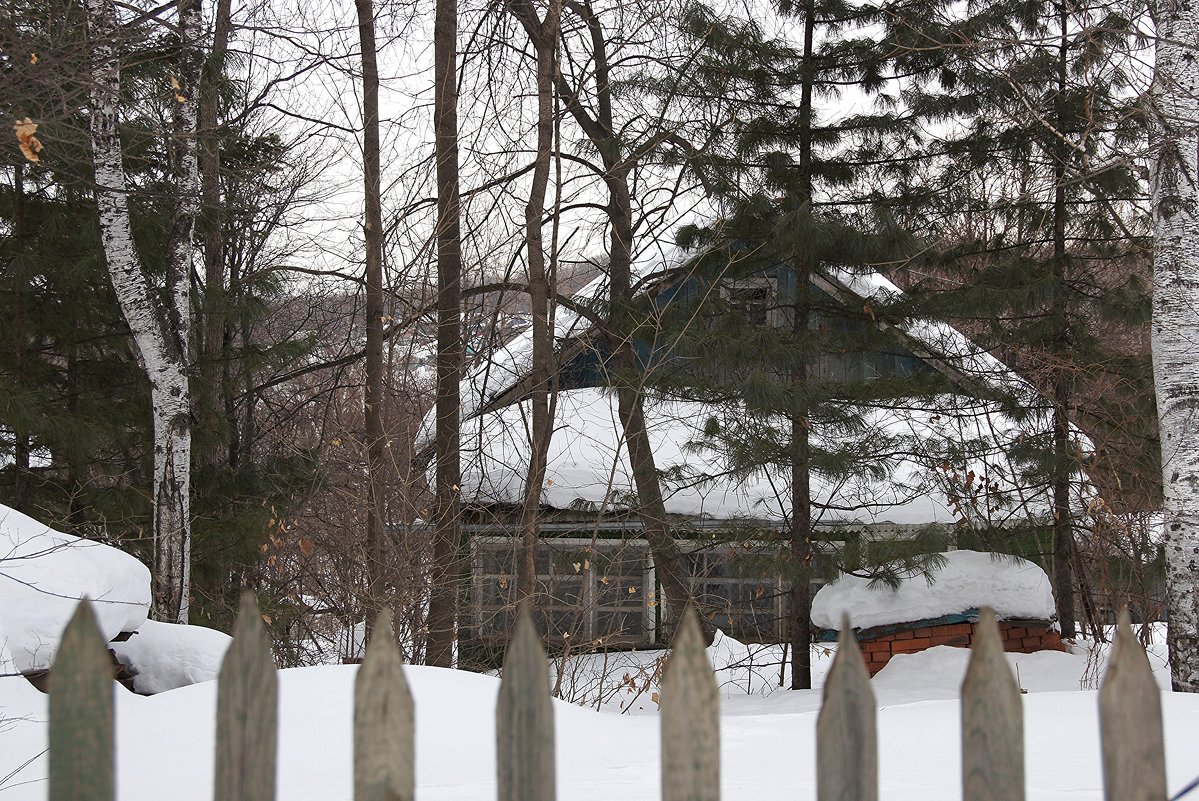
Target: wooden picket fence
x,y
81,721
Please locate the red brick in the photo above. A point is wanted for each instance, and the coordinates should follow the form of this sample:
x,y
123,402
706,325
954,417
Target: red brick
x,y
925,632
957,641
1014,632
903,635
955,629
1031,642
913,645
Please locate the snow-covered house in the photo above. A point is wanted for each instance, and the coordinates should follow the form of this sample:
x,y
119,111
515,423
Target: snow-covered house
x,y
597,572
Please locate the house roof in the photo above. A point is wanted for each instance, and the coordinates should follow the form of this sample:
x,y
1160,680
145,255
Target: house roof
x,y
508,364
588,466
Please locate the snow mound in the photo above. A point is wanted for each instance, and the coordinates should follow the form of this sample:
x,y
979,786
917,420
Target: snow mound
x,y
164,656
43,575
1013,587
941,669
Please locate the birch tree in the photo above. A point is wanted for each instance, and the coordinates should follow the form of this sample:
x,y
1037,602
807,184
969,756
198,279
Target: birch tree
x,y
1175,149
160,323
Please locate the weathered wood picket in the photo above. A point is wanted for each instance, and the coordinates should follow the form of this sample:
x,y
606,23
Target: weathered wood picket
x,y
81,722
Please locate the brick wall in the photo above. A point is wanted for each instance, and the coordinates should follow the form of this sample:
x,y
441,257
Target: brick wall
x,y
1019,636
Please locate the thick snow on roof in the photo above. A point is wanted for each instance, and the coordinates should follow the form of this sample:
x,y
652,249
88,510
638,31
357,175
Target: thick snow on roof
x,y
512,361
1013,587
43,575
588,465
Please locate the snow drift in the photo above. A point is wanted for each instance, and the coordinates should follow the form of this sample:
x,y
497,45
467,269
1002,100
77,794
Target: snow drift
x,y
164,656
43,575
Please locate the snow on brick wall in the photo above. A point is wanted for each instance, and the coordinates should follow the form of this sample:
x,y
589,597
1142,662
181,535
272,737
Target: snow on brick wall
x,y
1013,587
1025,637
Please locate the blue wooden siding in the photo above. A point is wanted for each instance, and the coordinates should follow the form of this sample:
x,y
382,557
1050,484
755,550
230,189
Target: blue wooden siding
x,y
587,368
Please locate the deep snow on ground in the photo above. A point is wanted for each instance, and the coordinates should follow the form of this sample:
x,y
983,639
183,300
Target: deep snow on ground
x,y
165,741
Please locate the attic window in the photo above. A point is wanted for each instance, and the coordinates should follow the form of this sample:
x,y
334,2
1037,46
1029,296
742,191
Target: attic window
x,y
756,298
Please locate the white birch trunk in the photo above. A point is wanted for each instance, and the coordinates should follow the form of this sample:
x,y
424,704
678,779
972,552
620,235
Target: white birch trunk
x,y
160,330
1175,147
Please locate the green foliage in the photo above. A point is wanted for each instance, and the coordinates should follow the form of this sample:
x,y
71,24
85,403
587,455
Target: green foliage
x,y
1034,214
74,403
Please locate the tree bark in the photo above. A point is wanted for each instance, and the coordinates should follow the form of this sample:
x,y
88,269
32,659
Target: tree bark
x,y
802,554
209,407
1175,152
22,449
669,563
160,329
443,600
373,397
1063,524
544,36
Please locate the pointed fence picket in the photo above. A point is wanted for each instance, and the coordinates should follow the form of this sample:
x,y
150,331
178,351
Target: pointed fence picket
x,y
524,720
690,718
846,741
1130,723
81,721
384,736
992,721
81,731
246,713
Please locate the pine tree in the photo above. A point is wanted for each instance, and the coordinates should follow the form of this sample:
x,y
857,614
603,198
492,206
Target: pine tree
x,y
1035,223
785,178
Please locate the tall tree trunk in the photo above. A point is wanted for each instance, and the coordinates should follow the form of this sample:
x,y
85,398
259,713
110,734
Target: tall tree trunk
x,y
802,555
443,600
1175,151
212,344
160,329
669,563
1063,524
544,36
22,449
373,232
